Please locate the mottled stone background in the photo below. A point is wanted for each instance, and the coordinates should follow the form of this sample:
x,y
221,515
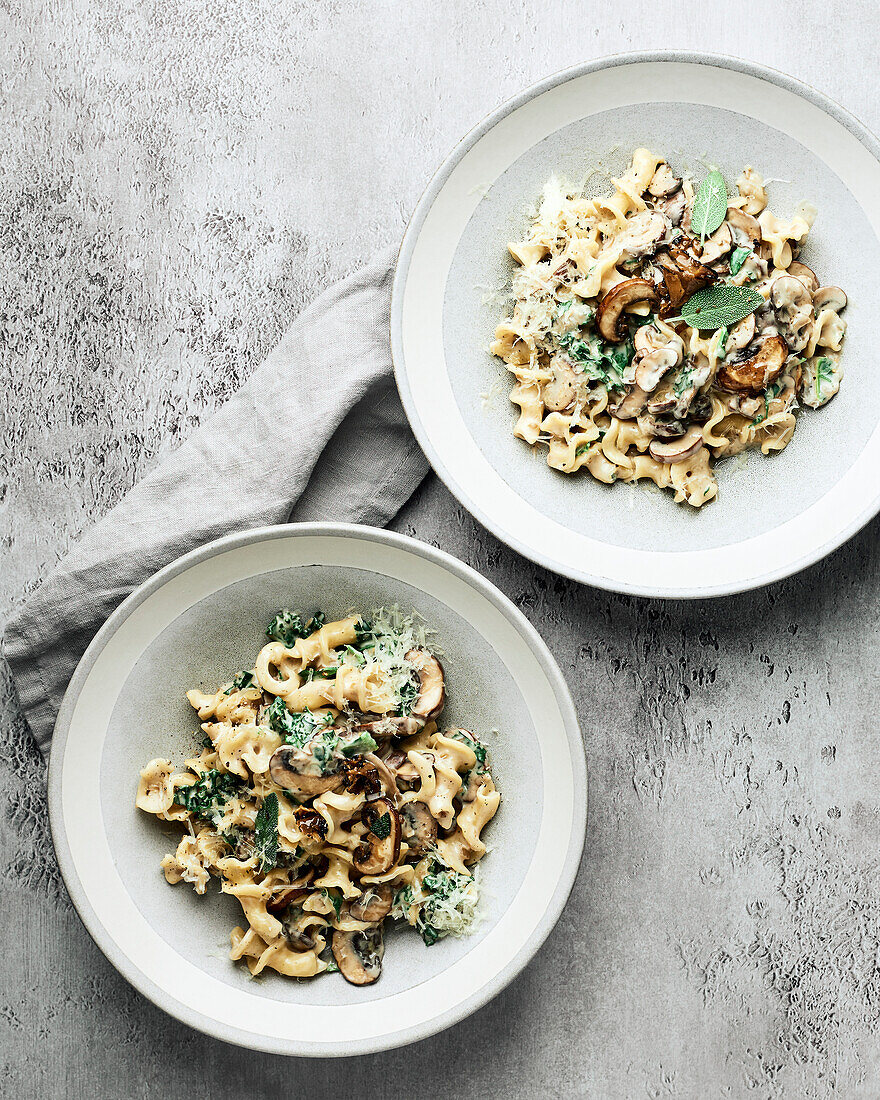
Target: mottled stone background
x,y
176,180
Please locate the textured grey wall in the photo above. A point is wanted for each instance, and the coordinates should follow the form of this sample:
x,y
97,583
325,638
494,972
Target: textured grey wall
x,y
175,181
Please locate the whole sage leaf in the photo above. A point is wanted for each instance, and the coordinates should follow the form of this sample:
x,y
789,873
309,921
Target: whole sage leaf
x,y
266,832
720,305
710,205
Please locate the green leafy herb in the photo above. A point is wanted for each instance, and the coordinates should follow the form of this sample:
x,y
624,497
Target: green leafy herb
x,y
738,258
309,674
682,381
266,833
332,968
477,747
208,796
296,729
409,692
564,307
361,742
242,680
720,305
207,742
598,360
363,634
710,205
824,373
582,450
770,394
381,827
288,626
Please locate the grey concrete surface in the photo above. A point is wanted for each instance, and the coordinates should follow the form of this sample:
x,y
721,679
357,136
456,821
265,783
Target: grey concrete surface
x,y
176,179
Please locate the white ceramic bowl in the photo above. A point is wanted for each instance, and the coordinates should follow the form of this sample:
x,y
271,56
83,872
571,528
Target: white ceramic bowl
x,y
202,618
774,515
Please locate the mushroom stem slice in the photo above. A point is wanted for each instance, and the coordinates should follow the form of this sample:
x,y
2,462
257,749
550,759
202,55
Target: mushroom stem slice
x,y
432,693
628,293
419,828
664,182
359,954
677,450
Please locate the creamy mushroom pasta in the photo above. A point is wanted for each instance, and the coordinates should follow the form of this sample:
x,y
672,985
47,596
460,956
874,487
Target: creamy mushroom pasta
x,y
666,326
326,798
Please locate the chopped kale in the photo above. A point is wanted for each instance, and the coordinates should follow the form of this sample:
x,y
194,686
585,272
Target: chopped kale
x,y
683,381
266,833
309,674
598,360
207,797
361,742
295,728
478,748
289,626
408,695
242,680
334,898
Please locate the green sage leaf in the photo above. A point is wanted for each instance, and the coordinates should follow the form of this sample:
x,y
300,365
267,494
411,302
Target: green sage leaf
x,y
710,205
719,305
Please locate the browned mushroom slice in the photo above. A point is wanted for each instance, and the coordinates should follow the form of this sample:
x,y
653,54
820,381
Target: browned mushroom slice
x,y
373,905
751,371
628,293
360,776
287,897
682,276
829,297
419,828
359,954
288,769
432,694
806,275
310,822
746,229
630,405
664,182
677,450
380,844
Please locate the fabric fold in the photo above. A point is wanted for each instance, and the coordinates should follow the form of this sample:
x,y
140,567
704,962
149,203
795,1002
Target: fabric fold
x,y
316,433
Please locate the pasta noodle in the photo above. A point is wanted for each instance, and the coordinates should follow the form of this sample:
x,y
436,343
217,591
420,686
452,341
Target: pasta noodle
x,y
325,798
608,376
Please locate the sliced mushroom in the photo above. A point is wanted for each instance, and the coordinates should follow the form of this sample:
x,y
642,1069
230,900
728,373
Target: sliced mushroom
x,y
359,954
628,293
373,905
281,901
806,275
701,409
741,335
300,939
360,775
391,726
754,369
793,306
419,828
562,389
664,427
656,353
287,768
380,848
829,297
679,449
432,693
672,208
310,822
630,405
664,182
718,245
663,399
746,229
682,275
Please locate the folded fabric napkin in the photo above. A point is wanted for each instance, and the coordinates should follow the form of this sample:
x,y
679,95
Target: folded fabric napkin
x,y
317,432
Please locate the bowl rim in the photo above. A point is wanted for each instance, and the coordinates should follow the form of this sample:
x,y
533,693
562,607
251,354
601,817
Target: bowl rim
x,y
240,1037
726,61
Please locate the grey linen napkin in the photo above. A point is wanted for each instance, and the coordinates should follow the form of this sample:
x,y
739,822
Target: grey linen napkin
x,y
317,432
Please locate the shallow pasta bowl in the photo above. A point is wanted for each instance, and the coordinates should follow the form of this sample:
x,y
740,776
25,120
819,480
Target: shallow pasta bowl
x,y
773,515
205,615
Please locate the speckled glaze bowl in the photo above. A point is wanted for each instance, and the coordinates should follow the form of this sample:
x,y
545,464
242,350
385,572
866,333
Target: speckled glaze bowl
x,y
204,616
774,515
